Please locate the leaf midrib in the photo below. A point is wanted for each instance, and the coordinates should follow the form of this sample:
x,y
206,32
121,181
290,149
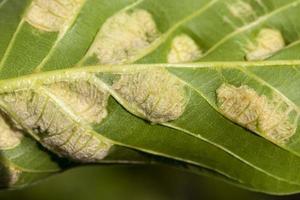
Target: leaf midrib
x,y
131,68
137,67
67,110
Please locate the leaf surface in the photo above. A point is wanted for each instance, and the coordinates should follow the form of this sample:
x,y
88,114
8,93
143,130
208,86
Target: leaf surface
x,y
244,50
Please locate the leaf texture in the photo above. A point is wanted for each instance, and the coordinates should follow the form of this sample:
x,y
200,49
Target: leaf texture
x,y
200,85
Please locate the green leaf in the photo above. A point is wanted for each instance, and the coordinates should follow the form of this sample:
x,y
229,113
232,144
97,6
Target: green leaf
x,y
204,86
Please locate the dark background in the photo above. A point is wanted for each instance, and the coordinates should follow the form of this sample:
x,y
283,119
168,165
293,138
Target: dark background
x,y
133,183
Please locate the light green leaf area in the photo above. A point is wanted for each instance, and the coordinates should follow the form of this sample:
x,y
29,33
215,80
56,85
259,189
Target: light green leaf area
x,y
206,86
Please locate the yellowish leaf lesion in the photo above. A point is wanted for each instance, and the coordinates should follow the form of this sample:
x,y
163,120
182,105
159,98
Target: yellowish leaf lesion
x,y
85,98
10,137
124,35
59,115
267,43
155,94
52,15
273,118
183,50
241,9
9,175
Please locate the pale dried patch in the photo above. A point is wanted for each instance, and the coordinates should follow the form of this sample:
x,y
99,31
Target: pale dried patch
x,y
52,123
85,98
155,94
52,15
267,43
241,9
184,49
272,118
9,137
124,36
9,175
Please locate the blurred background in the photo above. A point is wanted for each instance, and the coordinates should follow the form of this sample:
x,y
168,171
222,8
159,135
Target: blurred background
x,y
132,183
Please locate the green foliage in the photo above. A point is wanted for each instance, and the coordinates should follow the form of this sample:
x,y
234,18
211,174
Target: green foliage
x,y
205,86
